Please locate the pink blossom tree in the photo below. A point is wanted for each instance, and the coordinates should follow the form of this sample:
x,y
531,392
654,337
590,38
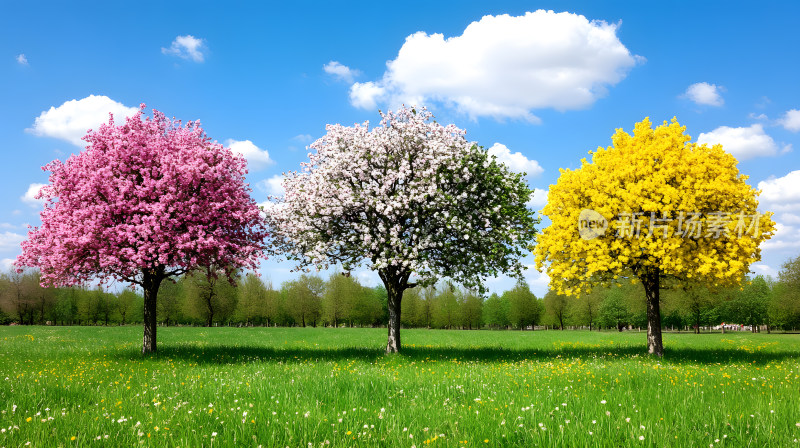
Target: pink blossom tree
x,y
411,199
147,200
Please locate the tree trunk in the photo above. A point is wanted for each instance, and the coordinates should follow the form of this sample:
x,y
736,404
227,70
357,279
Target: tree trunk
x,y
395,283
395,298
651,282
151,281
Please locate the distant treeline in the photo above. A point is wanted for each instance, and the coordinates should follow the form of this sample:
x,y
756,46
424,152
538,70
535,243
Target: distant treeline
x,y
309,300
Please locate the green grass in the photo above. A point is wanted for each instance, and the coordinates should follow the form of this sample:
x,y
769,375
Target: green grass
x,y
319,387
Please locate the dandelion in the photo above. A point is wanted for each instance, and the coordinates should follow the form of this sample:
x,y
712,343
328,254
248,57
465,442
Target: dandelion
x,y
213,434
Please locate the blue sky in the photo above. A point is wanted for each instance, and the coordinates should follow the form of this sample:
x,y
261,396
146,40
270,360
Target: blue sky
x,y
265,79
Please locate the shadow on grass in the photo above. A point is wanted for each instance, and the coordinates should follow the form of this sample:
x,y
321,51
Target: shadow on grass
x,y
200,353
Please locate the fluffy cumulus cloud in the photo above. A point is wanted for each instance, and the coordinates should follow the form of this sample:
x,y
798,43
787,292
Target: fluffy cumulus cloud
x,y
516,161
791,120
6,264
272,186
705,94
30,195
22,59
257,158
368,278
764,269
186,47
366,95
340,72
539,281
71,120
781,195
10,241
539,199
505,66
743,143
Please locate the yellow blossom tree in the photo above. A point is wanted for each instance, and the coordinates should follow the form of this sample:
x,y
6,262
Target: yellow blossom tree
x,y
652,206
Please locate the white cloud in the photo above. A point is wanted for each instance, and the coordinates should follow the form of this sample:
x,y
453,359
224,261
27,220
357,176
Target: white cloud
x,y
763,269
788,218
366,95
368,278
10,241
785,237
272,186
538,281
257,158
705,94
791,120
743,143
71,120
6,264
303,138
21,59
186,47
30,195
516,162
340,72
780,194
505,67
539,199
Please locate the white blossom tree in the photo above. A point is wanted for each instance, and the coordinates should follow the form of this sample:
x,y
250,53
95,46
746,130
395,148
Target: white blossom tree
x,y
411,199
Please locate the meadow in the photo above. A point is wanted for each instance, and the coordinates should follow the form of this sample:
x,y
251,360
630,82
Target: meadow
x,y
319,387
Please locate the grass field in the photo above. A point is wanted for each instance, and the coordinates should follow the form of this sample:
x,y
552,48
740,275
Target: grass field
x,y
320,387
